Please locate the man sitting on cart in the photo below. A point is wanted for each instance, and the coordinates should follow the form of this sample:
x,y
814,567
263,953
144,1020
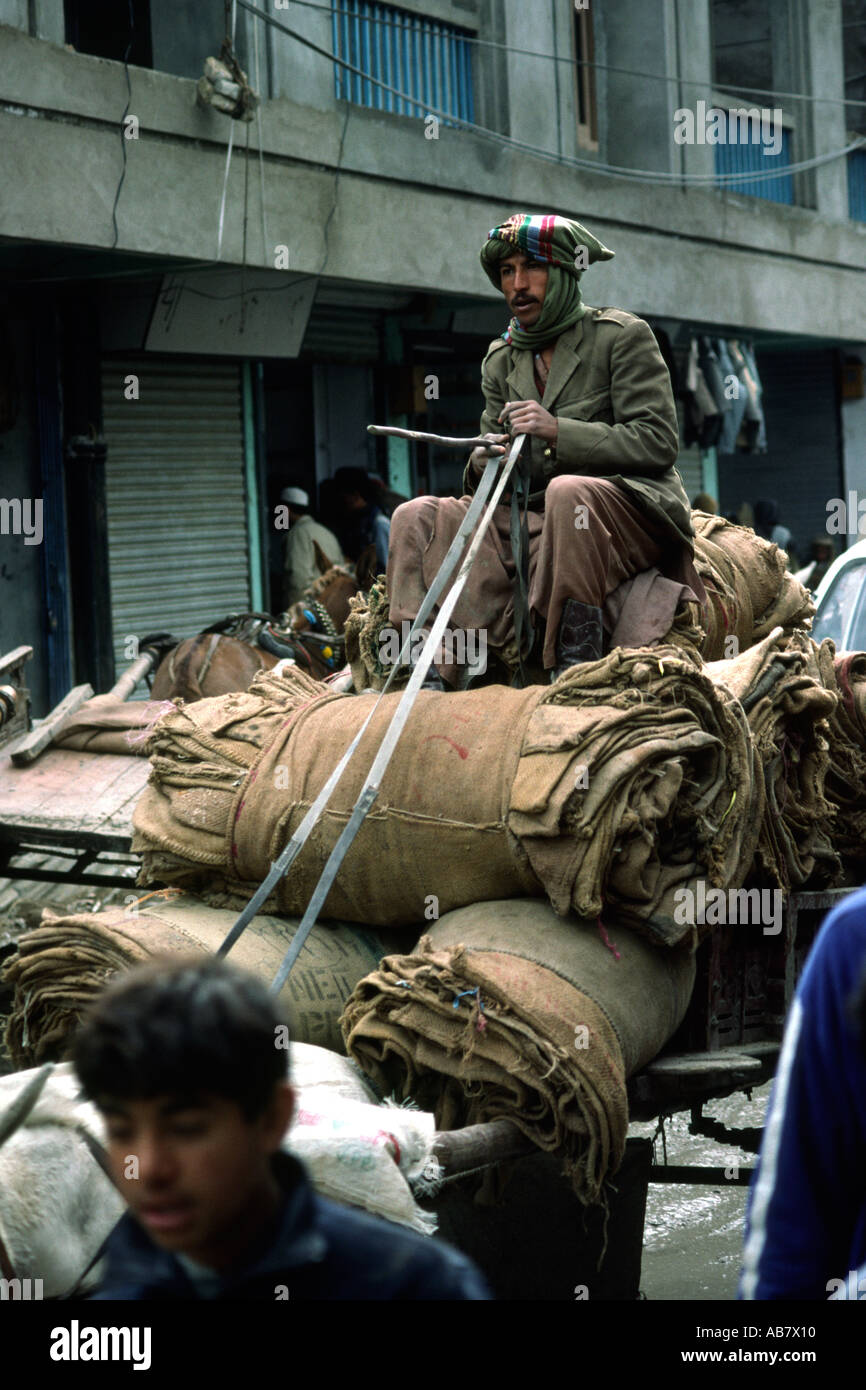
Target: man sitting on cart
x,y
595,541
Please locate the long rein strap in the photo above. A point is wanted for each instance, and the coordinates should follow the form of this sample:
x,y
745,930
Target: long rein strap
x,y
373,780
297,841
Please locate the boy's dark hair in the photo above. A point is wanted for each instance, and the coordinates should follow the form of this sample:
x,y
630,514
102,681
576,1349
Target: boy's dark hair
x,y
182,1027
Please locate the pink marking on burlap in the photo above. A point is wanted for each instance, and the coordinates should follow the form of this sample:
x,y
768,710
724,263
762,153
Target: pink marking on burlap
x,y
607,941
254,772
458,748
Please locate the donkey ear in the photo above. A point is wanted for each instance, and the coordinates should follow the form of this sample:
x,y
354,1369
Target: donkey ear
x,y
322,561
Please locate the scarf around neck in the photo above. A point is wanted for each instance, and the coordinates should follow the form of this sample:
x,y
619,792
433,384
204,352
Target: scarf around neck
x,y
555,241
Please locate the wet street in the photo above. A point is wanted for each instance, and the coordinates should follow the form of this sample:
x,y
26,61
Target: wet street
x,y
693,1237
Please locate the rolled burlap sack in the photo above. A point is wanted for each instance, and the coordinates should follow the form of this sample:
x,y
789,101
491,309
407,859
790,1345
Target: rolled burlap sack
x,y
61,966
505,1011
626,779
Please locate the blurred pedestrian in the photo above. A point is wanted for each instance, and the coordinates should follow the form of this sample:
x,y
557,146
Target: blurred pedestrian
x,y
302,566
363,520
806,1217
768,526
182,1058
821,556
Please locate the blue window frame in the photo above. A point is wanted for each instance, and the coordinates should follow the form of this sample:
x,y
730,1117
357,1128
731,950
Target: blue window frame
x,y
857,185
748,157
430,63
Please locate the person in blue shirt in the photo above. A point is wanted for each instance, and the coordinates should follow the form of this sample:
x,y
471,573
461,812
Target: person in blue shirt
x,y
182,1059
364,521
806,1217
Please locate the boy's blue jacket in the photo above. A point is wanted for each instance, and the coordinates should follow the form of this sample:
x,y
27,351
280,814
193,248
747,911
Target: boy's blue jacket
x,y
318,1250
806,1219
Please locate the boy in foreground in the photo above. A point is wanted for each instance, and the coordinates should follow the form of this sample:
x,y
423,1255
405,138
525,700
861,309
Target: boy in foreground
x,y
181,1059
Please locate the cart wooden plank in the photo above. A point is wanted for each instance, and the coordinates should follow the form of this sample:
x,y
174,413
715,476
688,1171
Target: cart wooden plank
x,y
71,797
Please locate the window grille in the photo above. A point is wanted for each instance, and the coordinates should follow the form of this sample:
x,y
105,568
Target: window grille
x,y
857,185
584,76
747,157
430,62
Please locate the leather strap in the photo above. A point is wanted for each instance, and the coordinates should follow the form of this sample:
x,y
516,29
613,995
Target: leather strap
x,y
7,1269
32,1094
205,667
524,633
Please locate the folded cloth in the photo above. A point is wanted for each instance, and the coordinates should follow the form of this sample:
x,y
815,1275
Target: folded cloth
x,y
61,966
636,779
504,1011
623,780
107,725
749,588
646,603
780,686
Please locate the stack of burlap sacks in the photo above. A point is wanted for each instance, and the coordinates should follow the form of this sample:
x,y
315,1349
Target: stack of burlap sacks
x,y
546,838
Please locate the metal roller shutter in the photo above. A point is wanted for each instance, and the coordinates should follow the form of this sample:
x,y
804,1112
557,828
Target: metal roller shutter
x,y
342,335
175,496
346,322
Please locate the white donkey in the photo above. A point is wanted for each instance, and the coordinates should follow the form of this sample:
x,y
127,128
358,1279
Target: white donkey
x,y
57,1205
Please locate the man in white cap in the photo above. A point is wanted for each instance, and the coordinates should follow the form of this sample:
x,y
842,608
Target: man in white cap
x,y
305,533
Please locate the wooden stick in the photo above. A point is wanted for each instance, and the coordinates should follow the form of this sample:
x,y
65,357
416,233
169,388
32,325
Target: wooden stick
x,y
16,657
28,750
477,1146
133,674
446,441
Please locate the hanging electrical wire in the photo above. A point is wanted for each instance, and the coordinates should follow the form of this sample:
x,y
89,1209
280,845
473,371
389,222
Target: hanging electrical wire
x,y
224,87
265,242
123,140
475,41
655,178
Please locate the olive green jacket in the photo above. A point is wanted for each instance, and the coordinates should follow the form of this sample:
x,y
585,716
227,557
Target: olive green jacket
x,y
611,394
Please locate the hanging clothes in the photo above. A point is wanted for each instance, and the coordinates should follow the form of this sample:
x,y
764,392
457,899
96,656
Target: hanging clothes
x,y
748,352
753,418
736,400
703,419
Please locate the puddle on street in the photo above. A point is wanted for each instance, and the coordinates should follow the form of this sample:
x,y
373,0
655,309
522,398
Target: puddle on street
x,y
693,1237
